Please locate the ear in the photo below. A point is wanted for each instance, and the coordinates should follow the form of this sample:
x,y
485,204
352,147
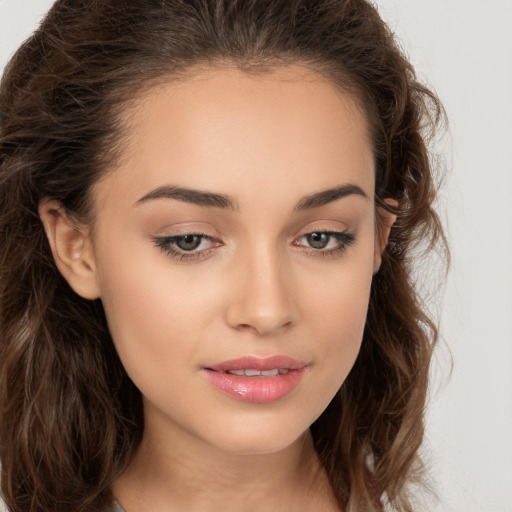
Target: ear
x,y
385,221
71,248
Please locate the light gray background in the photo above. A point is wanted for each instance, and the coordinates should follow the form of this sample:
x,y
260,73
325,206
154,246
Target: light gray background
x,y
463,48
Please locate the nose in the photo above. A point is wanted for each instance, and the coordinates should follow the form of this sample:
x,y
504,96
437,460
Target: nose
x,y
262,299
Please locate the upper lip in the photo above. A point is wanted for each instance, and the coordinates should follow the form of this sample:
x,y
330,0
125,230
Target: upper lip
x,y
258,363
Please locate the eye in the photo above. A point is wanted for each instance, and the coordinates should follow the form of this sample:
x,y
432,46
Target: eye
x,y
325,242
189,242
190,246
318,240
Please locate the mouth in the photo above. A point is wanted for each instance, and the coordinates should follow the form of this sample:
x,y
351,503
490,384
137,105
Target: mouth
x,y
250,372
256,380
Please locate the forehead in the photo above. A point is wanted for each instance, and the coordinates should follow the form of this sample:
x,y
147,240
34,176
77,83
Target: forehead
x,y
222,127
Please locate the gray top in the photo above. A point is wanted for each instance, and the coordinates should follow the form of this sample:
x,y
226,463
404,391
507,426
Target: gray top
x,y
116,508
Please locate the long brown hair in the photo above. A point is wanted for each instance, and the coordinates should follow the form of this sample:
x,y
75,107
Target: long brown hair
x,y
70,418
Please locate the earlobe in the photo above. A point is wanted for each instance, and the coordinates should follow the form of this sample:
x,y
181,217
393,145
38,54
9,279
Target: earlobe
x,y
71,248
386,221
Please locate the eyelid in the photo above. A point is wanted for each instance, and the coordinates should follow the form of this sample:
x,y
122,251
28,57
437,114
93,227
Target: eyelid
x,y
345,238
187,228
321,224
166,244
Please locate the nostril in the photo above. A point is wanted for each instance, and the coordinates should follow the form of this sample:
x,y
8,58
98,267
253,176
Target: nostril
x,y
262,301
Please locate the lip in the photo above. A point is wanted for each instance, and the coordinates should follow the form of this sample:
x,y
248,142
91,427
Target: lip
x,y
258,389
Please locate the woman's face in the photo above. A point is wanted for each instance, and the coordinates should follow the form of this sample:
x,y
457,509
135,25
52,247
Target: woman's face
x,y
238,234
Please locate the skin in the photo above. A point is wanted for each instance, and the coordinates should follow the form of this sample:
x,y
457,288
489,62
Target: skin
x,y
257,287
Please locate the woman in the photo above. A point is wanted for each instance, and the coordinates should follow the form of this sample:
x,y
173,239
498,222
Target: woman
x,y
207,211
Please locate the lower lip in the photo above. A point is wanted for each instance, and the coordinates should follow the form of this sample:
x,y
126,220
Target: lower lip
x,y
258,390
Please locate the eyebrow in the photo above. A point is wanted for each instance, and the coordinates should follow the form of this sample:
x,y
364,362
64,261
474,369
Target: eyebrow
x,y
211,199
189,195
328,196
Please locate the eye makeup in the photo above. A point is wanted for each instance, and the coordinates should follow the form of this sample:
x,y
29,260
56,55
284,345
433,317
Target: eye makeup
x,y
188,247
326,243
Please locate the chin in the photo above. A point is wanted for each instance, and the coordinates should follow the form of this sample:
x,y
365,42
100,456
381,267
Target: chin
x,y
259,441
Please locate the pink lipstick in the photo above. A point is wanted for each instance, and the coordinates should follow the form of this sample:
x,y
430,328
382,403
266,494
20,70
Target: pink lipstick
x,y
256,380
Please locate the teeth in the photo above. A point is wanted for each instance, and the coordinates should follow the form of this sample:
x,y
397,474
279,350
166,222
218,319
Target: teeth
x,y
236,372
252,373
249,372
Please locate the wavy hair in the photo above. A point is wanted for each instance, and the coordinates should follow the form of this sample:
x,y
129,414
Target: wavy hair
x,y
70,418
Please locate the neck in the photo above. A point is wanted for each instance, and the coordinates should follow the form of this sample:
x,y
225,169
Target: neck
x,y
165,476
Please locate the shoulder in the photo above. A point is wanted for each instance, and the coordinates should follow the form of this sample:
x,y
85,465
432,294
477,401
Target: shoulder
x,y
115,508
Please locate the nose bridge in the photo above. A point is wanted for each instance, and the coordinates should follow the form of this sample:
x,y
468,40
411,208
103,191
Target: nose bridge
x,y
263,300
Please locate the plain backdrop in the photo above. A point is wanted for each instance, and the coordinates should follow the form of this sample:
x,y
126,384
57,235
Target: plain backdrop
x,y
463,49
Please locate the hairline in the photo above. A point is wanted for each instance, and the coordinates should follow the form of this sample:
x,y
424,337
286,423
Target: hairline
x,y
125,107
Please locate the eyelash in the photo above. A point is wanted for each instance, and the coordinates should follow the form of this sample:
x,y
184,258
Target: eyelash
x,y
344,239
168,245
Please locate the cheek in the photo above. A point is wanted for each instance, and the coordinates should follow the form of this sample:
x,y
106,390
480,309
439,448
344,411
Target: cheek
x,y
158,311
345,309
340,304
338,316
148,312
